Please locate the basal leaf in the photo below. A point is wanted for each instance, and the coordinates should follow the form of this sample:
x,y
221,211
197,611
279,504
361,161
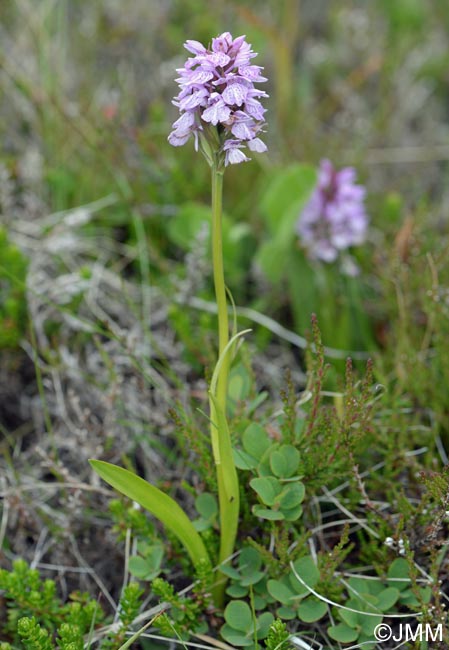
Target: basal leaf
x,y
158,503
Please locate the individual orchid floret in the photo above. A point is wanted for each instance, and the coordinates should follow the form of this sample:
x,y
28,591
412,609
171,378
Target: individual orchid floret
x,y
334,218
218,101
233,152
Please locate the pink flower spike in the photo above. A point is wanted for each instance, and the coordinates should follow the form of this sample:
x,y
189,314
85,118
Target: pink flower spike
x,y
218,100
334,219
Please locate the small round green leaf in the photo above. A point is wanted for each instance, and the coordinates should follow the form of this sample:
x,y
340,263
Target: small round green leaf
x,y
255,440
387,598
292,514
243,460
252,578
306,568
138,567
369,624
359,587
342,633
268,488
229,571
284,461
280,592
238,615
399,574
263,624
260,602
408,598
249,560
234,638
206,505
349,617
286,613
292,495
201,524
236,591
271,515
311,610
364,603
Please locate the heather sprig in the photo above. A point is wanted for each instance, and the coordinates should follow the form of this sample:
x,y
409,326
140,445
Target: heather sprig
x,y
334,219
218,102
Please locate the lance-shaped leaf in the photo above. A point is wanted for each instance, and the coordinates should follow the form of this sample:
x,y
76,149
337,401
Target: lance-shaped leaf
x,y
158,503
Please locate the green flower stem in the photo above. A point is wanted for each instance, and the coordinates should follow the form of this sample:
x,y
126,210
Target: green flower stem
x,y
228,487
220,287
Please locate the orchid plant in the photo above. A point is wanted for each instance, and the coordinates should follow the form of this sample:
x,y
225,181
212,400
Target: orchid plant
x,y
219,106
331,225
316,222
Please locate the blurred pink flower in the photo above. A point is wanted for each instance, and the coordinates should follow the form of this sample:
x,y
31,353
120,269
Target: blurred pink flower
x,y
334,218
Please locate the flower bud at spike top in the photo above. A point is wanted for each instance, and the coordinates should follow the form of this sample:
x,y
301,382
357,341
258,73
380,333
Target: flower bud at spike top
x,y
218,101
334,218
